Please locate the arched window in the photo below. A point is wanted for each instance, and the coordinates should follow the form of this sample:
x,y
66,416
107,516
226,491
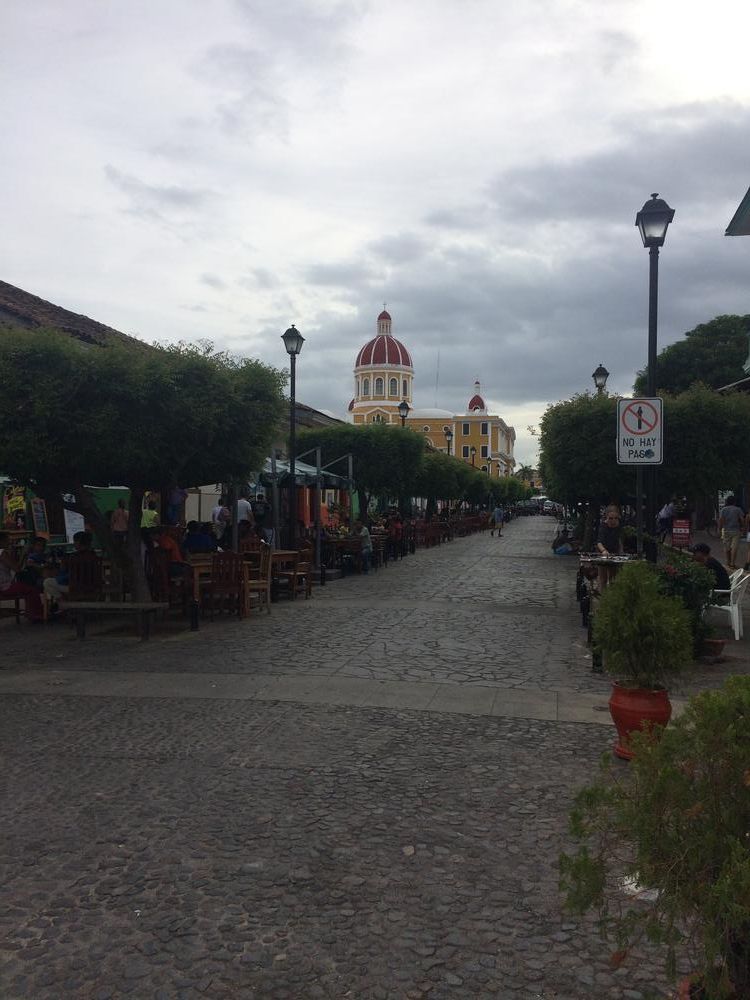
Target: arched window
x,y
393,387
366,387
379,386
404,388
484,468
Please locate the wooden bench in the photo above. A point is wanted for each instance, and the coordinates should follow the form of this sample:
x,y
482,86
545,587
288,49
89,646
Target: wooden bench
x,y
81,610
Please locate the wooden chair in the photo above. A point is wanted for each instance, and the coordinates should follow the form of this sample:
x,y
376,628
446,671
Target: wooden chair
x,y
298,576
225,588
259,581
85,577
352,554
251,543
165,587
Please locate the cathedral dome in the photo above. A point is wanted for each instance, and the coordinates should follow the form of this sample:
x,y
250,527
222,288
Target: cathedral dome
x,y
476,403
384,350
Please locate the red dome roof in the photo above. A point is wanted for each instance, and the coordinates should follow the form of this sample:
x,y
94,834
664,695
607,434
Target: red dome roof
x,y
384,315
351,406
384,350
476,403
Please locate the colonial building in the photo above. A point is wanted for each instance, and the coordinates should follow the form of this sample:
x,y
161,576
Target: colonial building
x,y
384,377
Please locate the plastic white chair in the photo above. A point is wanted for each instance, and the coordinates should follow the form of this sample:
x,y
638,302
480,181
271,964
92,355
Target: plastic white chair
x,y
734,607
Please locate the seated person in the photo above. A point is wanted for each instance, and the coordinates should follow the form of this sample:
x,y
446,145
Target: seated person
x,y
56,587
702,554
11,588
564,545
33,562
199,538
609,542
176,563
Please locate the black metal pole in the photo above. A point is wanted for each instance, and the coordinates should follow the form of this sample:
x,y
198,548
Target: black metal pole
x,y
292,455
403,421
653,307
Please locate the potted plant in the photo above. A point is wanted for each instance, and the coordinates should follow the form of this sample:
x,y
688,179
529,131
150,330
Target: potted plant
x,y
676,823
644,636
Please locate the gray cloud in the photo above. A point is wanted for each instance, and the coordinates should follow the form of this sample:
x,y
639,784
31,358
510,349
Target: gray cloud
x,y
213,281
156,201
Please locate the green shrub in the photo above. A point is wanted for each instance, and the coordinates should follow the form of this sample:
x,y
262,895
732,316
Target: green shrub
x,y
644,635
677,821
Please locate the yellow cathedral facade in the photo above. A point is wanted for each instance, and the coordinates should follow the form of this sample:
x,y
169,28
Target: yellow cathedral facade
x,y
384,378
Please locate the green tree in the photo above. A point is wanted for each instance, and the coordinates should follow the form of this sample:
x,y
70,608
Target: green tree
x,y
712,353
385,458
438,479
706,443
525,473
76,416
577,451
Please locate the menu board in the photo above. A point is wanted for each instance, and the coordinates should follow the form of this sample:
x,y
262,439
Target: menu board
x,y
14,508
39,517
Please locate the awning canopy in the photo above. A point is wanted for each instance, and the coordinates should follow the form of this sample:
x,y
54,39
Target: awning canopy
x,y
304,475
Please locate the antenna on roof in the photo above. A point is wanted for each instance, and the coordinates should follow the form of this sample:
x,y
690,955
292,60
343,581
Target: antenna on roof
x,y
437,377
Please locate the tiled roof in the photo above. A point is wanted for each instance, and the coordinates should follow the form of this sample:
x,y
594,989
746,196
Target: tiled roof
x,y
20,308
384,350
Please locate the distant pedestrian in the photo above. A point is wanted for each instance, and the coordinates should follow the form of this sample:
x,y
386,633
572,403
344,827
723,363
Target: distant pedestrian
x,y
119,522
360,531
731,523
220,518
498,516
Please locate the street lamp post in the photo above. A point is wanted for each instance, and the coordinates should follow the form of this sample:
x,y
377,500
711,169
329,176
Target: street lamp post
x,y
448,438
600,377
293,341
473,453
403,411
653,221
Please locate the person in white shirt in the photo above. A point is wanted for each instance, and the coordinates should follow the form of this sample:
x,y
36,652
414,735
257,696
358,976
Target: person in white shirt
x,y
220,518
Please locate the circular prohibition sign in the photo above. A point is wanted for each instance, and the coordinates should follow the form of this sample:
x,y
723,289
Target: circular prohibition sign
x,y
640,417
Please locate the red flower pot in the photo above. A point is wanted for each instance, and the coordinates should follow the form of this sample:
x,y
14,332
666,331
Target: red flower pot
x,y
636,708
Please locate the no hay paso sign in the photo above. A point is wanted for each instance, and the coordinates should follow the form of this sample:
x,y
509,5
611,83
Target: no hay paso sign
x,y
639,431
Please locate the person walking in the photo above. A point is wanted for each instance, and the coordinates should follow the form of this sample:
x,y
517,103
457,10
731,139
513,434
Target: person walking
x,y
361,531
497,522
731,525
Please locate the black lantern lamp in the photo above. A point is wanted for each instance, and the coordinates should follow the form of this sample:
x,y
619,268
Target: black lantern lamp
x,y
403,411
600,377
653,220
473,453
448,438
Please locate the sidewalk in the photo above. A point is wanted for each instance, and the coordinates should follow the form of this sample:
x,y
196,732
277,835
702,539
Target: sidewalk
x,y
363,795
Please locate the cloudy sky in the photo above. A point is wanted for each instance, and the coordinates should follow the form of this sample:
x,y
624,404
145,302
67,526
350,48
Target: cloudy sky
x,y
185,169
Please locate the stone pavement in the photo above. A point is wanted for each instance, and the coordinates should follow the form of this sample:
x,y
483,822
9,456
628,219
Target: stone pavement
x,y
363,795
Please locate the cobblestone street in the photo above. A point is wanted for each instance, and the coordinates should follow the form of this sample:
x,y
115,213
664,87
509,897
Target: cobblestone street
x,y
363,795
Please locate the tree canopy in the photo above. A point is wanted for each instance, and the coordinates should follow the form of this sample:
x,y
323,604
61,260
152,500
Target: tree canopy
x,y
706,446
713,353
76,415
385,458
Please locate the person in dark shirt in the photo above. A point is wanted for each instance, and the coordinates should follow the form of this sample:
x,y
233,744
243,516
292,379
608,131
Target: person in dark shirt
x,y
199,538
609,542
702,554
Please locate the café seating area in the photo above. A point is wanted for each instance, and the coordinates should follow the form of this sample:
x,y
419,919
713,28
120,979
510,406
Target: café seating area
x,y
205,586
